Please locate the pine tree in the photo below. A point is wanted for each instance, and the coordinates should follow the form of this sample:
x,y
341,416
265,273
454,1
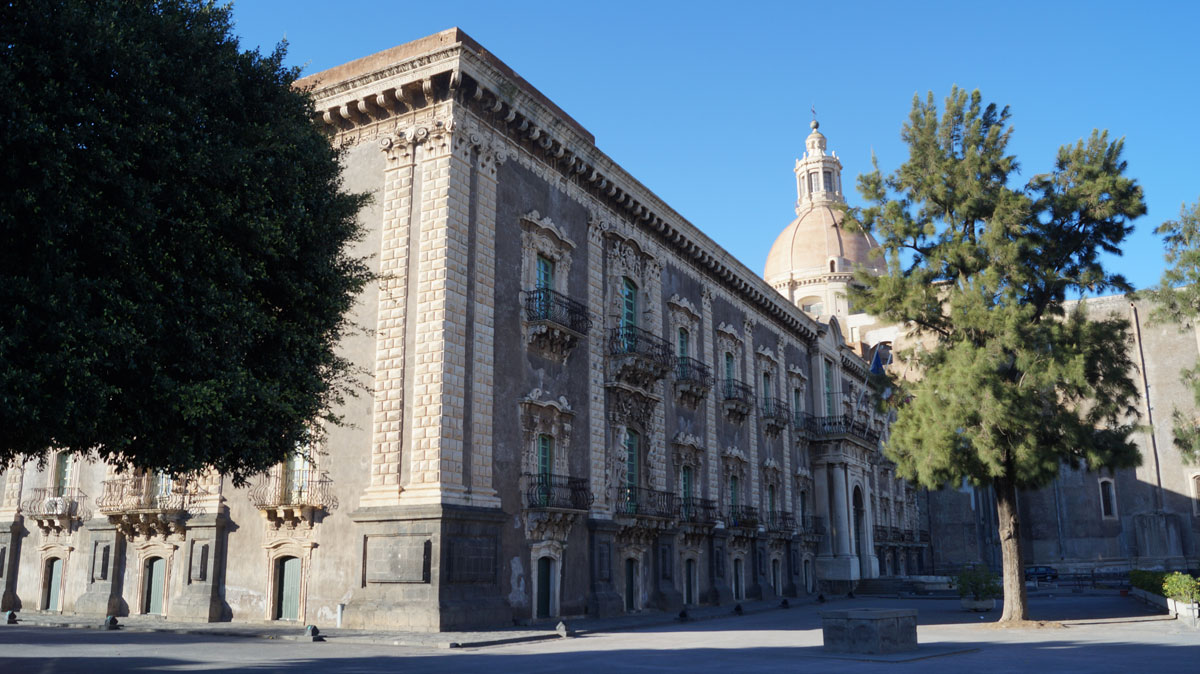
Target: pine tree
x,y
1178,301
174,275
1013,385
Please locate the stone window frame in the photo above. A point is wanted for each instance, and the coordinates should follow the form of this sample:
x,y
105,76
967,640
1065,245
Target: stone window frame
x,y
629,259
550,417
685,556
734,464
729,341
771,475
797,380
639,553
689,451
541,237
1195,480
1112,485
766,363
276,550
554,550
683,315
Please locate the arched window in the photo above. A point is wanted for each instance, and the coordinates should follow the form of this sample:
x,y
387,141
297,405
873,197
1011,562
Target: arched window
x,y
1108,498
832,266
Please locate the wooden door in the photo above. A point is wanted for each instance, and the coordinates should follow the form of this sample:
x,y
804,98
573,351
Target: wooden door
x,y
156,573
54,569
288,582
545,578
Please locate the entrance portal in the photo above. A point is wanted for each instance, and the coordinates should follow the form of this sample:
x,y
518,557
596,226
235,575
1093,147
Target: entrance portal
x,y
545,577
630,584
689,581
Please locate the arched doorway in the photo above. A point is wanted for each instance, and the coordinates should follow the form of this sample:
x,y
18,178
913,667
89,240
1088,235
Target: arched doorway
x,y
631,584
777,576
153,585
739,589
689,582
287,588
51,584
545,589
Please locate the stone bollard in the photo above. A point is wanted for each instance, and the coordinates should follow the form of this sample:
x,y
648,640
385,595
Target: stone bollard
x,y
563,630
110,623
312,633
11,617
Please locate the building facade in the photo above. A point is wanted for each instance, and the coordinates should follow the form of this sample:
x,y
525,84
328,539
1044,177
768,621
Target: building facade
x,y
580,405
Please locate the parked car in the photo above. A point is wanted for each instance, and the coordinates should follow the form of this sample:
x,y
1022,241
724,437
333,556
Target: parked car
x,y
1041,573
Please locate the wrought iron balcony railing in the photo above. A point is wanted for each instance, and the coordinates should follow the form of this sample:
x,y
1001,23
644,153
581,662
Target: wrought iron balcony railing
x,y
141,493
775,412
56,503
631,340
883,534
814,525
732,389
691,370
923,536
781,522
290,490
544,304
842,424
647,502
697,510
743,517
545,491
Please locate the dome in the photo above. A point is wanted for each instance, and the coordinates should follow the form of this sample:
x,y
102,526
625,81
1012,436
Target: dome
x,y
812,240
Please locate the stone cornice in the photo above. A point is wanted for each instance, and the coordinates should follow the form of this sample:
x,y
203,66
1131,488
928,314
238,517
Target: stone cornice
x,y
458,73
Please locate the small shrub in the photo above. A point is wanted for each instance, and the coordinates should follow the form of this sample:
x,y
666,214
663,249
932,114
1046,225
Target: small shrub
x,y
1150,581
1181,587
978,583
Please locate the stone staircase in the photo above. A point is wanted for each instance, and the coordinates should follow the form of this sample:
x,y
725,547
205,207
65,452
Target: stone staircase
x,y
892,586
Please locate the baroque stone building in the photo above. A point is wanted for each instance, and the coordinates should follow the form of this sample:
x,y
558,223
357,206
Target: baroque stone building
x,y
579,405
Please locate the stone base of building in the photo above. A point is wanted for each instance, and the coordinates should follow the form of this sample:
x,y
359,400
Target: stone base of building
x,y
838,575
429,568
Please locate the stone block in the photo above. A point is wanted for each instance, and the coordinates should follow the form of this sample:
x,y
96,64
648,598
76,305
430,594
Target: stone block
x,y
869,631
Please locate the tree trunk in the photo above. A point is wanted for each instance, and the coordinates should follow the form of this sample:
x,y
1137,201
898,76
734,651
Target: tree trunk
x,y
1013,567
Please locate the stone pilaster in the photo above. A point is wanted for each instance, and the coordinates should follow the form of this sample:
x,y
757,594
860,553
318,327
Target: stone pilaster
x,y
711,448
596,348
754,421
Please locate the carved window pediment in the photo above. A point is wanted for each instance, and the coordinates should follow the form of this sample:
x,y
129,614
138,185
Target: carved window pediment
x,y
542,415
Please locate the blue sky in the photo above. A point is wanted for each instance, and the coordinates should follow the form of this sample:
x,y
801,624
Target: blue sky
x,y
708,104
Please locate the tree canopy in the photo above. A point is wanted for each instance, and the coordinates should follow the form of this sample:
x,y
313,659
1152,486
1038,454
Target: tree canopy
x,y
175,274
1013,383
1178,301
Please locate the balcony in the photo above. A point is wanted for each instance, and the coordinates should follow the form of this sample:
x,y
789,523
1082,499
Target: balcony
x,y
545,491
56,509
812,528
144,505
638,357
781,522
742,517
555,322
775,415
693,379
737,399
820,428
883,534
288,499
700,511
643,502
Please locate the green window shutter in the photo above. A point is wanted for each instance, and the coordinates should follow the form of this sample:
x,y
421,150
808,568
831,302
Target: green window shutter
x,y
683,343
545,272
728,365
631,458
686,480
545,454
629,295
733,491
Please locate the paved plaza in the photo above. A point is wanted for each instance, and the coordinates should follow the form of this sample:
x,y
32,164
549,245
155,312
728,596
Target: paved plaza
x,y
1100,633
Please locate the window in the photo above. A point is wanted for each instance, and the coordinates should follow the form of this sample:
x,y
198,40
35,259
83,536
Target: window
x,y
733,491
297,474
1196,494
629,299
62,472
771,498
828,176
685,482
766,392
545,457
810,183
1108,499
800,505
684,347
797,396
828,388
729,365
631,458
833,266
545,272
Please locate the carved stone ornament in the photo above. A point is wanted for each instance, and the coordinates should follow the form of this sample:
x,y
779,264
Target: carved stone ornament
x,y
630,407
548,525
689,450
545,416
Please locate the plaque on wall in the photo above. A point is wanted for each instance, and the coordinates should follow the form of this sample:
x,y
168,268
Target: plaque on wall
x,y
397,558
